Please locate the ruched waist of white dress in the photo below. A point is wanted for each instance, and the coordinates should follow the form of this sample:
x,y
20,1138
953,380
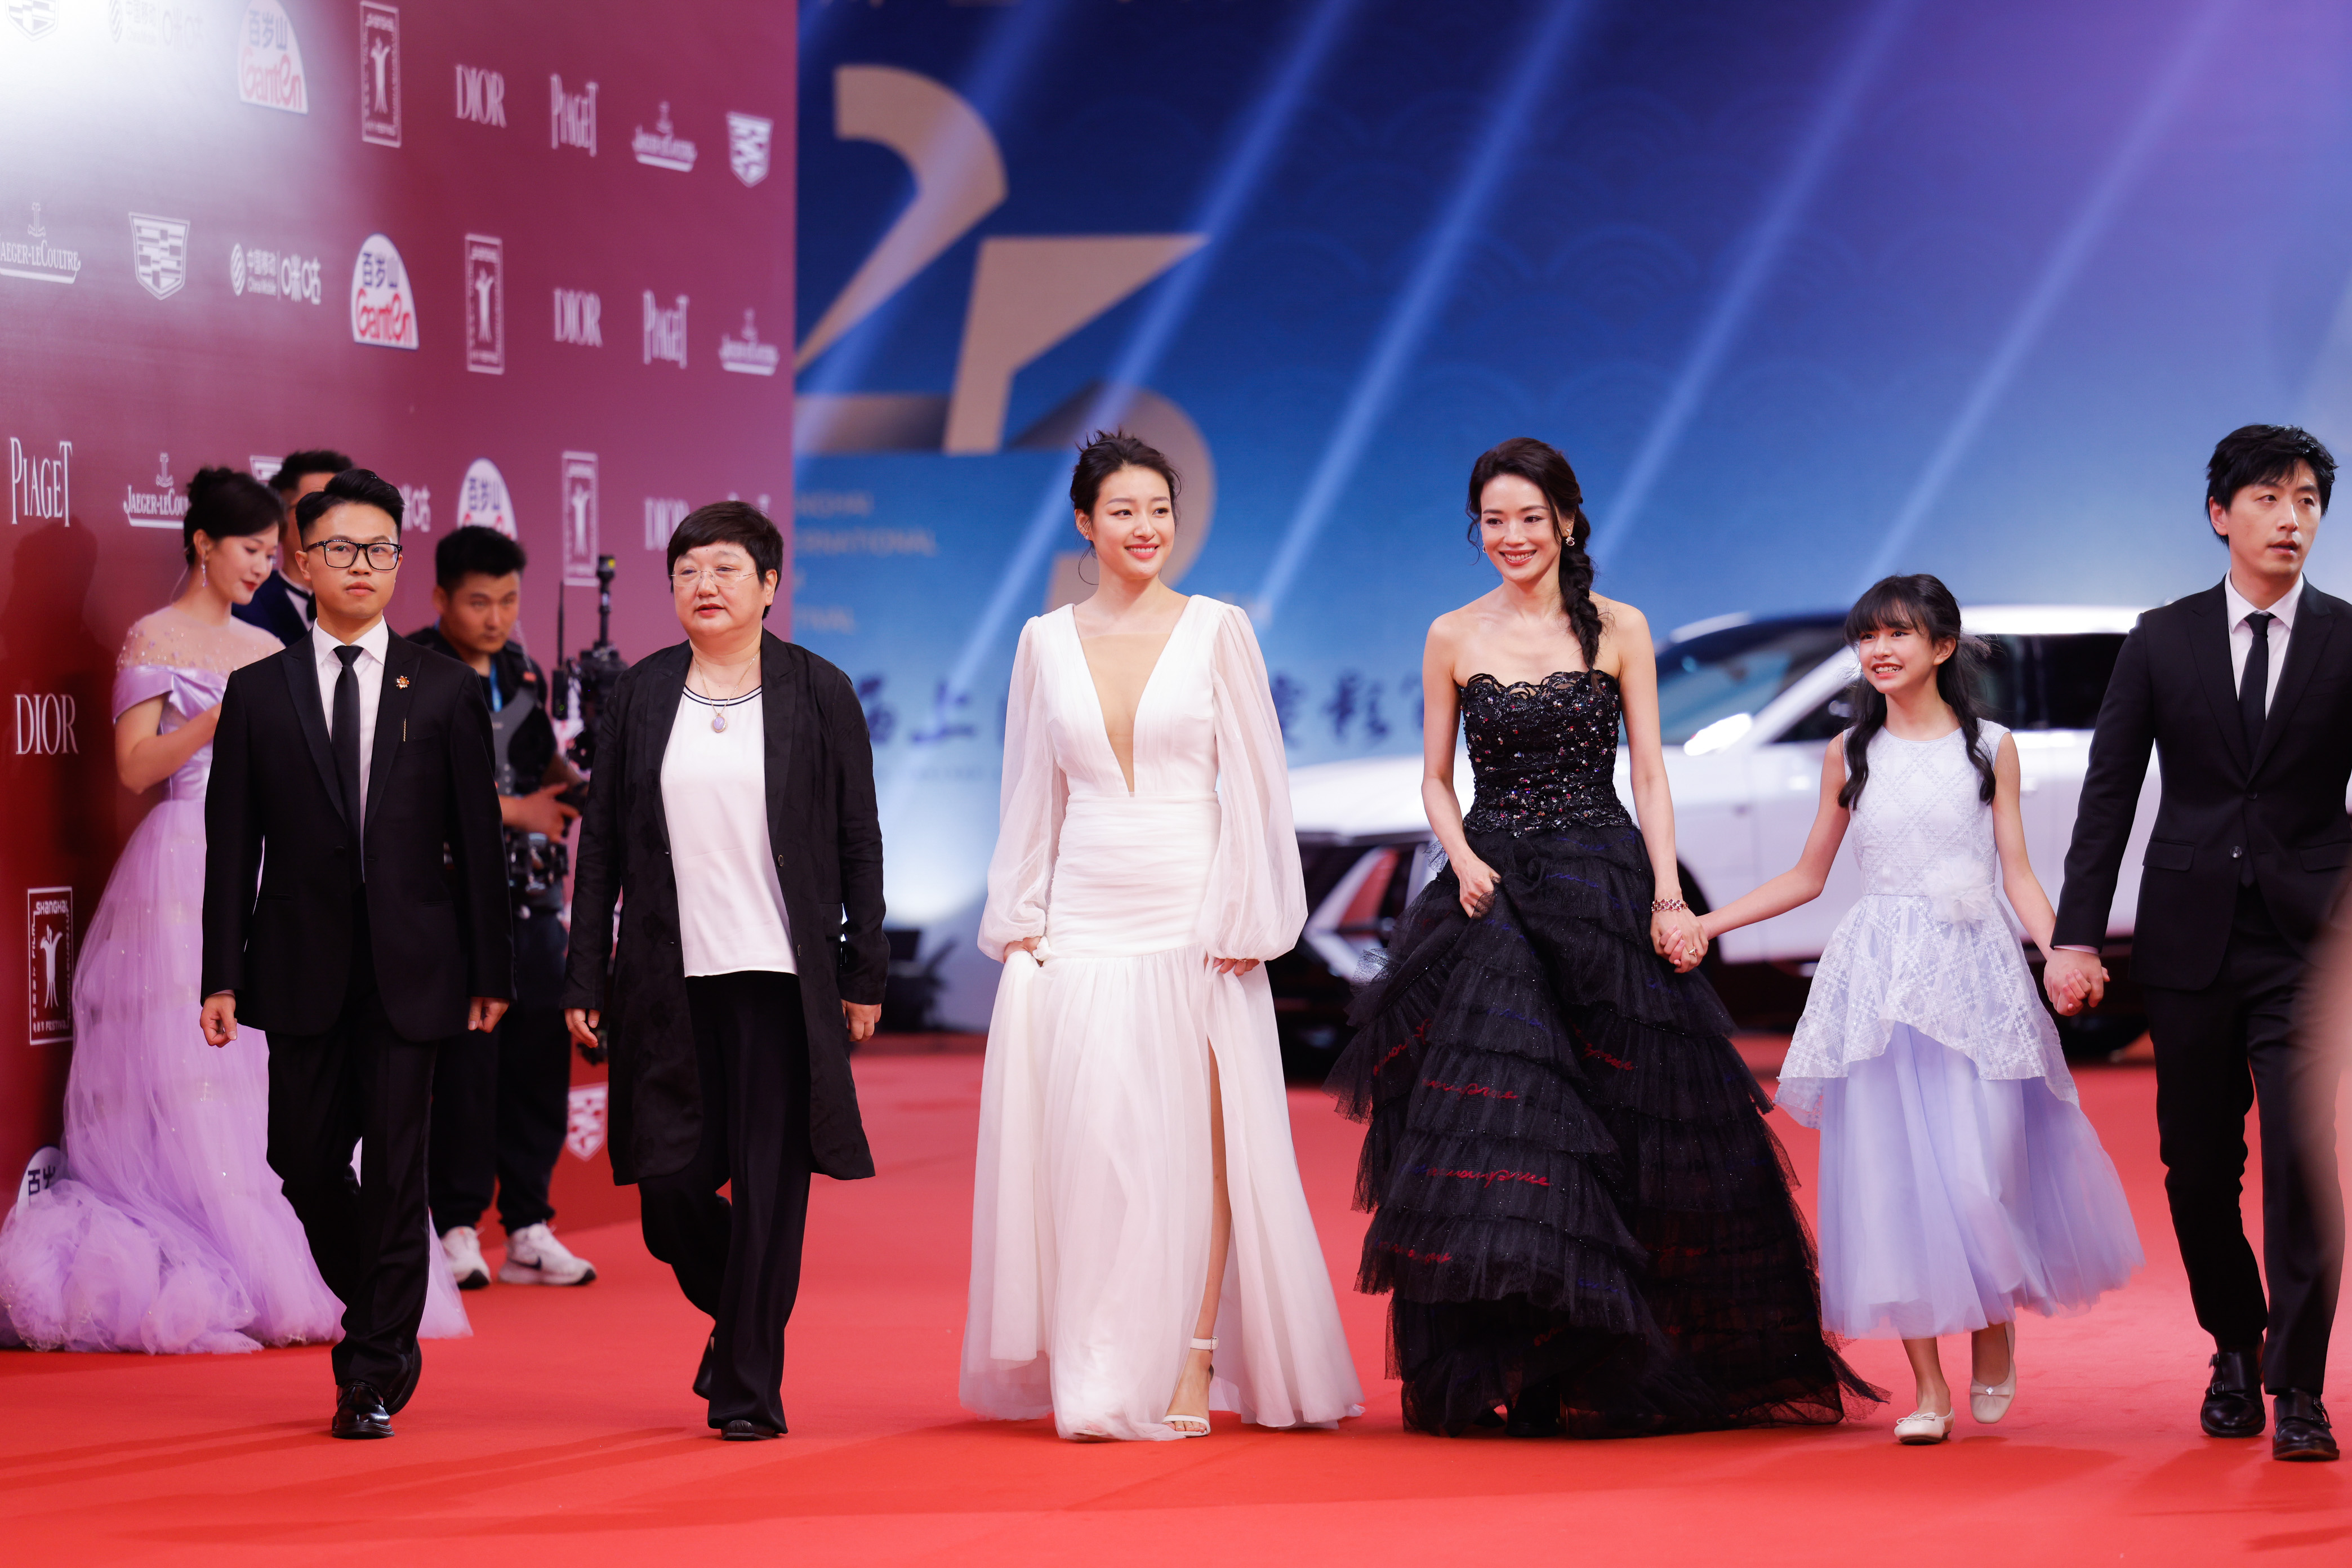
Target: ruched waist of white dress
x,y
1129,874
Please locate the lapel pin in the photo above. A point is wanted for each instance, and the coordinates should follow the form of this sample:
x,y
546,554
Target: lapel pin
x,y
401,682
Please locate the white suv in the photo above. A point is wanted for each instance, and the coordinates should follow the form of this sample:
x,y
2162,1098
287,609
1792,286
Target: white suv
x,y
1746,707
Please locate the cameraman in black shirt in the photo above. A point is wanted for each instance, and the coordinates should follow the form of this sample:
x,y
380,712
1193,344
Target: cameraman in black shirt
x,y
501,1104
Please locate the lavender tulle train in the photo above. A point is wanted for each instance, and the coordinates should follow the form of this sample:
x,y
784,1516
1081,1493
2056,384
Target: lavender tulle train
x,y
168,1232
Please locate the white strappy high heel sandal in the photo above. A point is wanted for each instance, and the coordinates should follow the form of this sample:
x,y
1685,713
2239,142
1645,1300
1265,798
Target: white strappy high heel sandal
x,y
1194,1426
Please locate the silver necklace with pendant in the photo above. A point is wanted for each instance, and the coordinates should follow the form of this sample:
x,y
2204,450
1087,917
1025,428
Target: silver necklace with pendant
x,y
718,706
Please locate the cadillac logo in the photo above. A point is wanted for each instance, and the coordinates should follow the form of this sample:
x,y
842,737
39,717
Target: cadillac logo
x,y
159,250
749,138
39,19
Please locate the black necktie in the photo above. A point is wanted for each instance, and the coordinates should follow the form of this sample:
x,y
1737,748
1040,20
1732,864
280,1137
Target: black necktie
x,y
2253,692
347,736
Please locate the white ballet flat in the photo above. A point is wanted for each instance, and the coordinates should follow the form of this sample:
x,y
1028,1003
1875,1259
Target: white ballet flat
x,y
1923,1427
1989,1403
1194,1426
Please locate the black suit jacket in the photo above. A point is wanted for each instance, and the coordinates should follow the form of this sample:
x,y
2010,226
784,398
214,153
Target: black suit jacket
x,y
827,841
276,610
2283,804
281,864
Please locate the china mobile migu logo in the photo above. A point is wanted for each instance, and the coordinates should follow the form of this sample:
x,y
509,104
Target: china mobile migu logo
x,y
274,274
383,307
270,60
161,507
665,331
40,486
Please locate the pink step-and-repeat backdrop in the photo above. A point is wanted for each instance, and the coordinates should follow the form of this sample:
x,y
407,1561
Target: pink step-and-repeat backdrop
x,y
532,262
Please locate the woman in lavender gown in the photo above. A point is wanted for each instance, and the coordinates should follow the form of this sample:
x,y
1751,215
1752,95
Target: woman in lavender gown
x,y
167,1231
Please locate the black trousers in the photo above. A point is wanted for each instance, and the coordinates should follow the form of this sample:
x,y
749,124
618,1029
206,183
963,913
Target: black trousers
x,y
502,1103
741,1262
361,1083
2220,1053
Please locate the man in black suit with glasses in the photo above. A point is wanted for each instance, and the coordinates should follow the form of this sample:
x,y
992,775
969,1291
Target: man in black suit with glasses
x,y
2244,692
355,908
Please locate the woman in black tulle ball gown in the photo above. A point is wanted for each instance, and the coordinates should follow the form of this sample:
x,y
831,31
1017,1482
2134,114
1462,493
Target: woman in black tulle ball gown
x,y
1582,1221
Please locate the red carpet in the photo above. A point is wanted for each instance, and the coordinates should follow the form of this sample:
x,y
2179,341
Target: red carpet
x,y
563,1433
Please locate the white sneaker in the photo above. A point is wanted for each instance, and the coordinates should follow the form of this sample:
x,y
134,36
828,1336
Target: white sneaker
x,y
462,1246
535,1257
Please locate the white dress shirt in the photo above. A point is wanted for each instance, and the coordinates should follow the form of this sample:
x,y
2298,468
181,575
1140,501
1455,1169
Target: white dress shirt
x,y
368,669
714,784
2242,636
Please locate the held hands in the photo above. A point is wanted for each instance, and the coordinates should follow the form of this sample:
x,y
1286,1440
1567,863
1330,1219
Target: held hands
x,y
1678,938
2077,981
219,1018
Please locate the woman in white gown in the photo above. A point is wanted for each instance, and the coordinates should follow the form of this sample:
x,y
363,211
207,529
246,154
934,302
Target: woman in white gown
x,y
1141,1248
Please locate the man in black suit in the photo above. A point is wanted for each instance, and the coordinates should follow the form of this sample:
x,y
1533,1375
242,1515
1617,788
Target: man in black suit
x,y
282,605
355,908
2245,692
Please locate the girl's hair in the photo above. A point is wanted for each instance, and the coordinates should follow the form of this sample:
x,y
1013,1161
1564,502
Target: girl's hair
x,y
1104,454
224,503
1542,466
1923,605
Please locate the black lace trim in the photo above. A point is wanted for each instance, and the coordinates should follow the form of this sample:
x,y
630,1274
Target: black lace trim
x,y
1544,751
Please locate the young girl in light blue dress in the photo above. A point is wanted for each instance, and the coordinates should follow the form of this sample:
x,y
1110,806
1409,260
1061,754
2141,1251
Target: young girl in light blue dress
x,y
1960,1183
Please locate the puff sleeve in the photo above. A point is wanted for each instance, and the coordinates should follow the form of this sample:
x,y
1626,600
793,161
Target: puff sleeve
x,y
1029,810
1257,899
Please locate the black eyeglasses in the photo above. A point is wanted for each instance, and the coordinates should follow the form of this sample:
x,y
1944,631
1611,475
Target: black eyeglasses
x,y
384,555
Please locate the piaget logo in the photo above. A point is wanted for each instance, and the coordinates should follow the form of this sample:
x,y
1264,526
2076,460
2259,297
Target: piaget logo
x,y
383,307
270,60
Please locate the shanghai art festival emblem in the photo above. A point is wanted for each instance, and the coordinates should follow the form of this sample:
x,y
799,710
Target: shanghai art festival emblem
x,y
159,251
749,138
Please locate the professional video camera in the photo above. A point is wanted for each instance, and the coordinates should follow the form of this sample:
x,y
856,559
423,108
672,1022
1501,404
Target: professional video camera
x,y
583,684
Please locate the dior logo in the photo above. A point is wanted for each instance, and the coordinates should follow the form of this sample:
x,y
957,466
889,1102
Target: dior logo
x,y
663,514
44,725
481,96
665,331
579,318
571,117
40,488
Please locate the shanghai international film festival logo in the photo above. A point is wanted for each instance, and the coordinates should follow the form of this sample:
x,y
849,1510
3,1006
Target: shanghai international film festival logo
x,y
571,117
37,18
383,307
747,355
161,507
50,952
40,488
270,60
158,253
661,146
578,519
665,331
263,273
483,501
486,305
748,137
33,257
379,73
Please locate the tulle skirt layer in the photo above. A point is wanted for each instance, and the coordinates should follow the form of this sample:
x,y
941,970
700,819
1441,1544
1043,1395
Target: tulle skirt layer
x,y
169,1232
1577,1209
1950,1202
1092,1201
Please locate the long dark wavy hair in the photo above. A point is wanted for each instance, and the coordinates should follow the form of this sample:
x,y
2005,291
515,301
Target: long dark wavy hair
x,y
1918,603
1542,466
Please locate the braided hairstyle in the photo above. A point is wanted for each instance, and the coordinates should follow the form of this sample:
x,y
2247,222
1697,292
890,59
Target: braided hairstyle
x,y
1920,603
1542,466
224,503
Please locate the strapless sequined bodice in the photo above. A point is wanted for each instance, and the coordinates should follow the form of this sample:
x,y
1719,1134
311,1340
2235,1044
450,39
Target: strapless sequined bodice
x,y
1544,753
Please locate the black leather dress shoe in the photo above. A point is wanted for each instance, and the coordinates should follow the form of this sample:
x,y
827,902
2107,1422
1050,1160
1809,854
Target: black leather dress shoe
x,y
748,1432
2233,1400
360,1413
2301,1432
705,1375
404,1387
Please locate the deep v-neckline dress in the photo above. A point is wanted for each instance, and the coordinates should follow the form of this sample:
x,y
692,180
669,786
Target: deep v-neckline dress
x,y
1092,1201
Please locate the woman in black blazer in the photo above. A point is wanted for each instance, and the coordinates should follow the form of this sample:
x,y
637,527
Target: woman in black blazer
x,y
733,806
